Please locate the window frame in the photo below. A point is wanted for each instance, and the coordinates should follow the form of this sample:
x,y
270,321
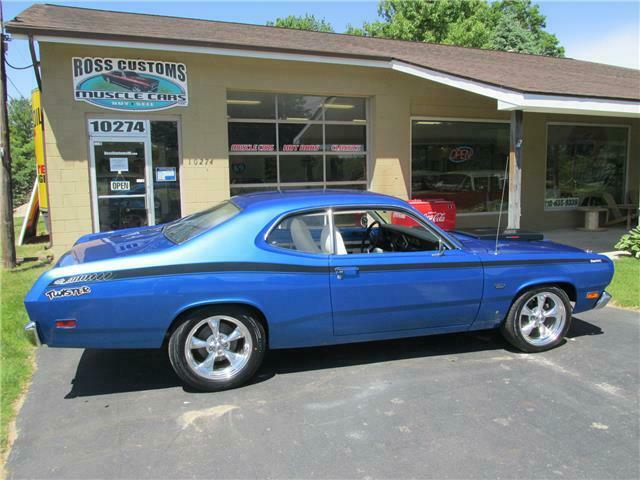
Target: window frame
x,y
324,184
581,124
449,119
306,211
447,242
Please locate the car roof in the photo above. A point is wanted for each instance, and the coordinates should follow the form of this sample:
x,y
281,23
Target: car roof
x,y
301,199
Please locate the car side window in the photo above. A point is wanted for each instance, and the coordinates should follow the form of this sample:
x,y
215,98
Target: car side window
x,y
305,232
381,230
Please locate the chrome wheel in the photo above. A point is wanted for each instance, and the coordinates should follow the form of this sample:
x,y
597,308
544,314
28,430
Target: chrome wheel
x,y
542,319
218,347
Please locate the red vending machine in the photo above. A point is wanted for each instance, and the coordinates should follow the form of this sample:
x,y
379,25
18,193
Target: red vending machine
x,y
439,211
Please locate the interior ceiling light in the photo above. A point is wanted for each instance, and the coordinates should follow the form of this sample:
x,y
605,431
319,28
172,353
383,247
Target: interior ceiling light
x,y
339,106
298,119
359,120
428,123
243,102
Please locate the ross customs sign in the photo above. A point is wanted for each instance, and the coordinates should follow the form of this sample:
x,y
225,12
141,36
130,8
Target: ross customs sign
x,y
131,85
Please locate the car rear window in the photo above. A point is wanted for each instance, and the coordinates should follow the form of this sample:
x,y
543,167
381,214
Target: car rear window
x,y
188,227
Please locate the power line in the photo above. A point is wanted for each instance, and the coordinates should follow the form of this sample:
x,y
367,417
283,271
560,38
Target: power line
x,y
18,68
14,86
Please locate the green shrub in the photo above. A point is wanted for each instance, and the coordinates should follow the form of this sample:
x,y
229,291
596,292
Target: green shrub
x,y
630,242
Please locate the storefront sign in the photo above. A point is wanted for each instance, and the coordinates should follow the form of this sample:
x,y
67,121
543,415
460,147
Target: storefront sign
x,y
301,148
567,202
120,185
252,147
166,174
346,148
109,127
460,154
38,141
133,85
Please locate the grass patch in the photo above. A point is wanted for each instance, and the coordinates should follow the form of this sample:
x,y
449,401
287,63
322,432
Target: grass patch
x,y
16,353
625,286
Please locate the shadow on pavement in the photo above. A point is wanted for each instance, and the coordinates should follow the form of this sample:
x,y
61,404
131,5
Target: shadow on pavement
x,y
103,372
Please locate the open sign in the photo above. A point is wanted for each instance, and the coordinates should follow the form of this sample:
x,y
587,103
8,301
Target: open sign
x,y
120,185
460,154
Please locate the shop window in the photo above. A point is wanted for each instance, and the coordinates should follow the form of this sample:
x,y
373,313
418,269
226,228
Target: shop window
x,y
252,137
585,165
296,137
346,168
251,105
345,109
346,138
283,141
253,169
301,168
300,107
460,161
166,167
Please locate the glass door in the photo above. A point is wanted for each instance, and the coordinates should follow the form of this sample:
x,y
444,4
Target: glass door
x,y
121,183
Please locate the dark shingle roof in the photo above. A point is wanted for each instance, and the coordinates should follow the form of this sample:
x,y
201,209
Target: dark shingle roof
x,y
514,71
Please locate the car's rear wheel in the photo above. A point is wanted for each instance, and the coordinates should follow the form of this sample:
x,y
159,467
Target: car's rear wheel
x,y
538,319
217,348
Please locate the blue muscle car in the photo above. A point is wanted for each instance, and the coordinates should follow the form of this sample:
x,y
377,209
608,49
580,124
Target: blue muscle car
x,y
304,268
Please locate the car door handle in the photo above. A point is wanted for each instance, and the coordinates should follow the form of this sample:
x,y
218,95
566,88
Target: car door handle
x,y
342,271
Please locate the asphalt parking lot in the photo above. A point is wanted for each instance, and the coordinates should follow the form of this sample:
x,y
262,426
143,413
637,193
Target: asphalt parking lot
x,y
453,406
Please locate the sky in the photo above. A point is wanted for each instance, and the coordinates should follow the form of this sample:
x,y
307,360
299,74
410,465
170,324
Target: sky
x,y
597,31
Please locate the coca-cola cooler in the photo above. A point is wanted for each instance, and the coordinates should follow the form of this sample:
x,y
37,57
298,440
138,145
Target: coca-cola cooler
x,y
439,211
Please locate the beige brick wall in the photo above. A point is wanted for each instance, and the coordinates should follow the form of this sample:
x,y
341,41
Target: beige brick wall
x,y
395,97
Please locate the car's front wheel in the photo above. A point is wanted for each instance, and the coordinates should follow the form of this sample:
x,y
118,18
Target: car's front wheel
x,y
217,348
538,319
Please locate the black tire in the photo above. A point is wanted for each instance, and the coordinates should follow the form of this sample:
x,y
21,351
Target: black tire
x,y
511,327
179,358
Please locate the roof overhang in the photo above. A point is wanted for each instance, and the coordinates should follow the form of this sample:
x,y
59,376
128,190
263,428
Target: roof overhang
x,y
507,99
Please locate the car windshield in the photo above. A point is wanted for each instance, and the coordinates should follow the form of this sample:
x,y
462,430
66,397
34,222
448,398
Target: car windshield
x,y
188,227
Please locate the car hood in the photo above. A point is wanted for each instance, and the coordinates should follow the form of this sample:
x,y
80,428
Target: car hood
x,y
514,246
114,244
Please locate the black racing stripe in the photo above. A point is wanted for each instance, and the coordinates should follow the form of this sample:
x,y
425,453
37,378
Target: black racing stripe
x,y
221,267
501,263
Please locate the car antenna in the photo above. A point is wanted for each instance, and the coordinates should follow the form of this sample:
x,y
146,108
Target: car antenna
x,y
504,185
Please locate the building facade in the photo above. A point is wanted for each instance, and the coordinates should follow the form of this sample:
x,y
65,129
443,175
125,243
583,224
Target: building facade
x,y
141,133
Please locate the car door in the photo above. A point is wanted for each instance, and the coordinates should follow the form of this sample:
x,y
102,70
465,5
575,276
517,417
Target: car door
x,y
402,290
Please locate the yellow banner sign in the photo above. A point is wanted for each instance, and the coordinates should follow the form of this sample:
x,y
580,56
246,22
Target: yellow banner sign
x,y
38,139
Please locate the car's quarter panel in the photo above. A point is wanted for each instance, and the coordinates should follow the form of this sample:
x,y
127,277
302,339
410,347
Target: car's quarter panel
x,y
144,293
508,274
387,292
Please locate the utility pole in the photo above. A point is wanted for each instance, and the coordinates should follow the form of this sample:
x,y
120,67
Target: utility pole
x,y
7,236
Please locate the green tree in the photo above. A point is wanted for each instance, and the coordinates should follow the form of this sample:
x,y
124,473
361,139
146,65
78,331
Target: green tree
x,y
303,22
511,25
23,163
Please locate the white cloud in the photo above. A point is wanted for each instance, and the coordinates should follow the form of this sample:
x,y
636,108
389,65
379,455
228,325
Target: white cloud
x,y
620,47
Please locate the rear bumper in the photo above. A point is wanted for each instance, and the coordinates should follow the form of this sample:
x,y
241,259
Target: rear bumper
x,y
603,300
31,332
